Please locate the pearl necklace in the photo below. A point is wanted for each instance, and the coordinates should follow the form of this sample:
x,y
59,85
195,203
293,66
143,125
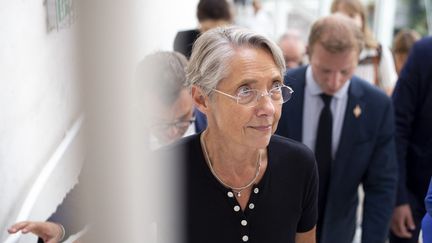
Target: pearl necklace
x,y
236,190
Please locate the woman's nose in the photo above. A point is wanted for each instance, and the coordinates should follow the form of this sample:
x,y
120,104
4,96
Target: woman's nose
x,y
265,106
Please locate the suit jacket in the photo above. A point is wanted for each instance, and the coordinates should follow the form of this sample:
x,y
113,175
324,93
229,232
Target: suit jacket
x,y
184,41
365,155
412,99
428,199
200,121
427,219
68,213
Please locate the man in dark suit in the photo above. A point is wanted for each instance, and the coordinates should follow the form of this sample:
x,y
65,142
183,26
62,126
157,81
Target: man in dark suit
x,y
412,100
349,125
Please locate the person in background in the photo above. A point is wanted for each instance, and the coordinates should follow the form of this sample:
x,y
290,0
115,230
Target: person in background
x,y
292,48
427,219
210,14
349,124
260,21
244,184
164,75
376,63
412,100
402,43
161,77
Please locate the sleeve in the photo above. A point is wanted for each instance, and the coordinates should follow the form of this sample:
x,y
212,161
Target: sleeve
x,y
387,69
183,43
428,199
179,45
380,182
68,213
405,98
309,215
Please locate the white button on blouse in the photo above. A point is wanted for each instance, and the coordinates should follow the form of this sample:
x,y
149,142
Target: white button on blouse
x,y
245,238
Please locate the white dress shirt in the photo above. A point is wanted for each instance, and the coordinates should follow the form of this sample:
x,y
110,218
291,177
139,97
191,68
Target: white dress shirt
x,y
312,107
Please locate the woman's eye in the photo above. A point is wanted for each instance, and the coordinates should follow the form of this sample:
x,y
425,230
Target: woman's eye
x,y
243,89
277,84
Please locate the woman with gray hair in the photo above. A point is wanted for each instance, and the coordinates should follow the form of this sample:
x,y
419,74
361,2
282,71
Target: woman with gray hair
x,y
242,182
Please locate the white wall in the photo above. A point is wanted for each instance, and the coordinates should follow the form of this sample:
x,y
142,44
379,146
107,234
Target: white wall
x,y
38,98
165,18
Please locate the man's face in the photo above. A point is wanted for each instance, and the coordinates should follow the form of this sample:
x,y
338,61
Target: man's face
x,y
172,122
293,51
332,70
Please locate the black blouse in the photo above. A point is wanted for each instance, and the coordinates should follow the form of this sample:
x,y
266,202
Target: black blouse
x,y
283,203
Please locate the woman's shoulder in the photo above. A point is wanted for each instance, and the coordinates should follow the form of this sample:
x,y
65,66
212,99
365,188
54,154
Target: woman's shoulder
x,y
288,149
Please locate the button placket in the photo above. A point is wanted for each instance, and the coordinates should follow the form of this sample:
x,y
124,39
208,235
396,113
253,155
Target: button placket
x,y
243,215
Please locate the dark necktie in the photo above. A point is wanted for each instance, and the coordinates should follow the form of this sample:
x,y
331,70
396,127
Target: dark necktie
x,y
323,154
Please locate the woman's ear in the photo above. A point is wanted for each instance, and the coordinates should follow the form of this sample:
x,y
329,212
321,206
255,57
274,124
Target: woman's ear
x,y
200,99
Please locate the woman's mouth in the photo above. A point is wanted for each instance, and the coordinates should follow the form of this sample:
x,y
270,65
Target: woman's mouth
x,y
263,128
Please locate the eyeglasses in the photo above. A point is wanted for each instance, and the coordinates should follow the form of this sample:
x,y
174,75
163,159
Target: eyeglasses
x,y
250,97
180,126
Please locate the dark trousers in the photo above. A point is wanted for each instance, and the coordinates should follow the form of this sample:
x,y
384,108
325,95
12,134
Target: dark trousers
x,y
418,210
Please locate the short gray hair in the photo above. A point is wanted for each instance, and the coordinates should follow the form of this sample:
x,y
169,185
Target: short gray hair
x,y
164,73
213,50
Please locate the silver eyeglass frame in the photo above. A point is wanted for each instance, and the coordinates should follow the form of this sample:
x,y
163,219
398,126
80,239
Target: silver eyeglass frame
x,y
259,95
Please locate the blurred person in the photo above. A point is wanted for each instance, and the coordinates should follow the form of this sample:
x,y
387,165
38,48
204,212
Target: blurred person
x,y
174,114
210,14
292,48
402,43
349,125
242,182
427,219
412,100
161,78
260,21
376,63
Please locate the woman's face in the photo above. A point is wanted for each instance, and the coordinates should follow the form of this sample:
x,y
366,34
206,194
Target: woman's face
x,y
248,126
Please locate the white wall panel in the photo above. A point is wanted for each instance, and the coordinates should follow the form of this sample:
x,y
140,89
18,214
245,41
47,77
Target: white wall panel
x,y
38,98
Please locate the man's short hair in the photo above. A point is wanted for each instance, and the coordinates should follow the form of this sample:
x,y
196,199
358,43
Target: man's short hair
x,y
163,73
336,33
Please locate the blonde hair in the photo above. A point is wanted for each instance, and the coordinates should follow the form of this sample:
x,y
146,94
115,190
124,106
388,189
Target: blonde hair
x,y
353,7
404,40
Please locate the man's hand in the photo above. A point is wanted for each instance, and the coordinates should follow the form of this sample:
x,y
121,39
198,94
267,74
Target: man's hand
x,y
48,231
402,221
